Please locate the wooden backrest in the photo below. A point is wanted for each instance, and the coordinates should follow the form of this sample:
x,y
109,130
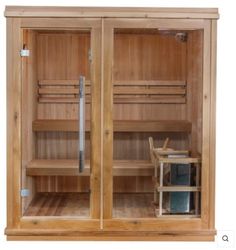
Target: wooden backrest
x,y
151,147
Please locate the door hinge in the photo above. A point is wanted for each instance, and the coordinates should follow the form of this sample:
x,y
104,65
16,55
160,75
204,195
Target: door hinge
x,y
90,55
24,192
24,51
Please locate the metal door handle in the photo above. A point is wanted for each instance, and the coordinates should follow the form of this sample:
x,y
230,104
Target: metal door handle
x,y
81,123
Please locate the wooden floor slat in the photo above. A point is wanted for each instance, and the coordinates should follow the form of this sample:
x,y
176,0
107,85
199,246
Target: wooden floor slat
x,y
135,205
59,204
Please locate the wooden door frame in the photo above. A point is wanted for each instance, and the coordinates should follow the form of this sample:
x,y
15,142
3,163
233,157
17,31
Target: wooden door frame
x,y
15,220
196,225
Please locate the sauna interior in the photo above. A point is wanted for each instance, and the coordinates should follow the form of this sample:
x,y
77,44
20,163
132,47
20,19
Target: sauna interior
x,y
157,96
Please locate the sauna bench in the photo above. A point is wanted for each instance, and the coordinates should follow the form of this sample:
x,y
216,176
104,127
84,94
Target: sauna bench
x,y
118,126
66,167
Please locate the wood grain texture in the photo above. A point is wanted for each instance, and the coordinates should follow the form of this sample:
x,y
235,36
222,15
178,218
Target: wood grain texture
x,y
36,11
170,235
71,99
166,85
70,63
206,115
160,91
149,82
213,124
62,183
195,85
59,204
60,145
14,119
133,205
96,117
58,222
155,23
77,204
153,99
148,57
132,184
124,237
65,167
118,126
58,125
150,224
135,145
62,82
52,24
107,121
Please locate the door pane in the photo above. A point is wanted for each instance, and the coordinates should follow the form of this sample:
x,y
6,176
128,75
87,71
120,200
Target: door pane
x,y
51,182
157,86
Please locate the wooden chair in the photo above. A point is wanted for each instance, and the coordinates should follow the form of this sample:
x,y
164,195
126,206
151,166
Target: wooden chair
x,y
159,157
155,154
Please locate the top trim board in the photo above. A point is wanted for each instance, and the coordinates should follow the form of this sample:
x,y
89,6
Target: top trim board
x,y
125,12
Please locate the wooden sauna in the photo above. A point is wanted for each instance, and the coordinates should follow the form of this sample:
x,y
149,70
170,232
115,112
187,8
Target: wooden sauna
x,y
111,123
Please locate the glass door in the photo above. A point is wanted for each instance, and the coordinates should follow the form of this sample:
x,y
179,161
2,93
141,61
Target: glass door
x,y
61,123
153,124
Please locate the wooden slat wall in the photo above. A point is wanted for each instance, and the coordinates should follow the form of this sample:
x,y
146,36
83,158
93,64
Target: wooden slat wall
x,y
139,184
60,145
61,55
135,145
67,91
60,111
81,184
146,57
62,184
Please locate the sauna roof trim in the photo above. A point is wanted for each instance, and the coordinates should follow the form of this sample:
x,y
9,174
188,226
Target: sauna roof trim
x,y
125,12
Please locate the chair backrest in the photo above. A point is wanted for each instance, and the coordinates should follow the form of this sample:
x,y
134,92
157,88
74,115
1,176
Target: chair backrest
x,y
165,143
151,146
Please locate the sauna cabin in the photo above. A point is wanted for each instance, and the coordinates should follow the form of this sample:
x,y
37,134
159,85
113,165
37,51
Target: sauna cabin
x,y
111,123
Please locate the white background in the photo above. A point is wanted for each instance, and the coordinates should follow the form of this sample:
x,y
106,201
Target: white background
x,y
226,126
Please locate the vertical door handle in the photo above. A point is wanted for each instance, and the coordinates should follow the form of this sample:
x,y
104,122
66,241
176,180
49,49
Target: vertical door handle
x,y
81,123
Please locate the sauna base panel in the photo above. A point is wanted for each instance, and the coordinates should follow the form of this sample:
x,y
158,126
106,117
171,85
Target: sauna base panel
x,y
126,205
23,235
